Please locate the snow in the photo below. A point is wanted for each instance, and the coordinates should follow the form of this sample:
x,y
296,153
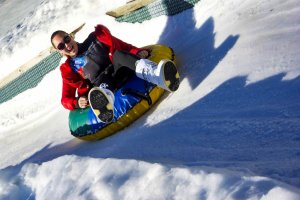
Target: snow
x,y
231,131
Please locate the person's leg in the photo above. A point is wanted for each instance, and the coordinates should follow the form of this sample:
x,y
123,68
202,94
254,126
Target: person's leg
x,y
102,103
164,74
101,97
124,59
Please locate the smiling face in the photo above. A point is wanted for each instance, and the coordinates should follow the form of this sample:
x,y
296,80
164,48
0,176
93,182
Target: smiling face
x,y
65,44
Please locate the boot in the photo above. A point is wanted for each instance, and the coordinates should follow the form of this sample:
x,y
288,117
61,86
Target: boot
x,y
164,74
102,103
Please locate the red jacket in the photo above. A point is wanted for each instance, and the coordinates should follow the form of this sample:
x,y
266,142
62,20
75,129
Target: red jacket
x,y
73,82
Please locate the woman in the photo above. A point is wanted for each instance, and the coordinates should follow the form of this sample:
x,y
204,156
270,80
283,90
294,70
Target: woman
x,y
103,62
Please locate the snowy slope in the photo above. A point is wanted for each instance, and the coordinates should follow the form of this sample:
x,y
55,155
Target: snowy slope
x,y
231,131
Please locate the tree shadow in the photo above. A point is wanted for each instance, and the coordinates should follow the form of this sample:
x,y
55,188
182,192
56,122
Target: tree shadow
x,y
252,129
185,38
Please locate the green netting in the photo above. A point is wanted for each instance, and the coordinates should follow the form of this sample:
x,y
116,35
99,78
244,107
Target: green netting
x,y
30,78
157,8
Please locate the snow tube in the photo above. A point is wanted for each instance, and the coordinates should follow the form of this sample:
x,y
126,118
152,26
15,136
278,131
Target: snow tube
x,y
131,101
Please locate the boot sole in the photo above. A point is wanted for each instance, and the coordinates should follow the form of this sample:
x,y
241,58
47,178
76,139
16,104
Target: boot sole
x,y
101,105
171,75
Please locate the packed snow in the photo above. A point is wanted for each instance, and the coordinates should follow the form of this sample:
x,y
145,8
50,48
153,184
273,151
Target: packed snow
x,y
231,131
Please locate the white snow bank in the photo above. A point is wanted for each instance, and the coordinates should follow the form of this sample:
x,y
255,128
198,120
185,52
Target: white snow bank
x,y
73,177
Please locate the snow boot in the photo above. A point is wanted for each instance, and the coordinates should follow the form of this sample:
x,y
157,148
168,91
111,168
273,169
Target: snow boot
x,y
164,74
102,103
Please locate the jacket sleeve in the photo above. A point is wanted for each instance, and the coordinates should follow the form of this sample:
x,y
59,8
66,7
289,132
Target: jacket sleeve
x,y
72,84
68,99
125,46
103,35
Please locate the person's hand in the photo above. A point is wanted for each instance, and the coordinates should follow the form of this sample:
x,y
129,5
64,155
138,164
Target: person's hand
x,y
83,102
143,54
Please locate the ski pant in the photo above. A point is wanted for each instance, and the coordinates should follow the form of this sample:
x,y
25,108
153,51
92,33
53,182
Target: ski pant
x,y
120,71
124,59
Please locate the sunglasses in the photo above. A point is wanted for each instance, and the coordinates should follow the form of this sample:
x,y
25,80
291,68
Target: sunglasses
x,y
61,46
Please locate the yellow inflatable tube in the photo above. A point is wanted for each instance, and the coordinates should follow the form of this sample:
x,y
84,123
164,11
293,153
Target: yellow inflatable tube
x,y
83,123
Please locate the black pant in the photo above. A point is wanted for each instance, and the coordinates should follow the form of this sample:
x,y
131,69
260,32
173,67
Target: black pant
x,y
124,59
122,69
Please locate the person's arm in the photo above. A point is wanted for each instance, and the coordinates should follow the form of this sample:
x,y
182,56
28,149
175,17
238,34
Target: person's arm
x,y
72,83
125,46
68,99
103,35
